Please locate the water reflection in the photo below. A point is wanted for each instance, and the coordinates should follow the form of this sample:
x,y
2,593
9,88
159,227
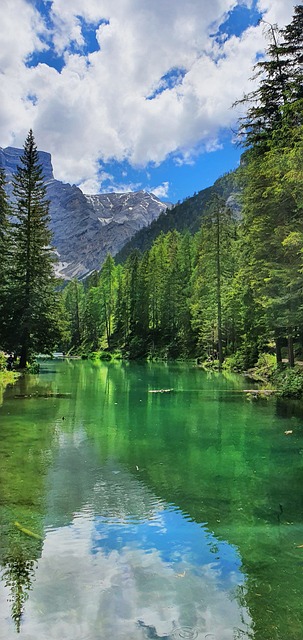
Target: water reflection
x,y
18,575
163,515
115,573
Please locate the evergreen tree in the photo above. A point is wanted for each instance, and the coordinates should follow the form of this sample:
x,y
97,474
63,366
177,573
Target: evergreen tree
x,y
73,298
107,288
93,319
212,278
292,47
136,306
280,85
272,235
185,268
120,311
4,212
156,287
36,311
4,253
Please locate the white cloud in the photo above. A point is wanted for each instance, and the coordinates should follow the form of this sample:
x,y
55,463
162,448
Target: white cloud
x,y
277,11
90,186
94,185
120,187
88,584
96,107
161,191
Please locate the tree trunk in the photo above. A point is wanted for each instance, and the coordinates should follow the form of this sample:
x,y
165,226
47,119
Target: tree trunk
x,y
278,351
23,356
219,306
78,332
290,345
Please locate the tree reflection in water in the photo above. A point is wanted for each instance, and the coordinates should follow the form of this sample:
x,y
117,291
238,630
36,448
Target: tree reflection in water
x,y
18,575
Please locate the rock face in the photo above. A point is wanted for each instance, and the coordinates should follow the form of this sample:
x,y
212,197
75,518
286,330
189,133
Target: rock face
x,y
85,228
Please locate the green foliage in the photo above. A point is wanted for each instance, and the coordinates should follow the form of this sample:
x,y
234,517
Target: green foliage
x,y
266,366
280,86
73,300
137,348
289,383
100,355
211,364
236,362
214,311
5,282
33,367
2,361
35,312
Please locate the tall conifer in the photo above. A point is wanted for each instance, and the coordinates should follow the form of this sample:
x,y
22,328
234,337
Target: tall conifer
x,y
4,253
279,94
35,303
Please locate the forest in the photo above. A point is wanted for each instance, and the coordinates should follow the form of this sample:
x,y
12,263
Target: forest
x,y
227,293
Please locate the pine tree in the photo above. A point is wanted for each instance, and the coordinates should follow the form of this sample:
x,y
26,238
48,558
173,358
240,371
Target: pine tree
x,y
107,289
93,320
185,263
264,103
293,51
4,211
280,77
4,253
120,310
73,298
36,309
212,279
273,235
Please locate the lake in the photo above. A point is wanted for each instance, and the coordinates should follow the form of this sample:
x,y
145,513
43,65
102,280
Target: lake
x,y
149,501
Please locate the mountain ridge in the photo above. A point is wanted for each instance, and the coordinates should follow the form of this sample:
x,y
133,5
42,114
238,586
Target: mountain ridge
x,y
85,228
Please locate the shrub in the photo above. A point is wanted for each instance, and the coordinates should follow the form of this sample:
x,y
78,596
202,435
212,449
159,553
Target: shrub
x,y
33,367
236,362
266,365
289,383
211,364
105,355
2,361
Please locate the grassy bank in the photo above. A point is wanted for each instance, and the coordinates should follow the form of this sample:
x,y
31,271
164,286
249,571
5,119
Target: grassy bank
x,y
7,377
287,382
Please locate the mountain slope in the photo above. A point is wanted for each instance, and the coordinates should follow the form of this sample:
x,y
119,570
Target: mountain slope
x,y
186,215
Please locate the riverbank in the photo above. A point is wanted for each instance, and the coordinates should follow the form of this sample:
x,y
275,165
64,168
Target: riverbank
x,y
6,378
287,381
280,380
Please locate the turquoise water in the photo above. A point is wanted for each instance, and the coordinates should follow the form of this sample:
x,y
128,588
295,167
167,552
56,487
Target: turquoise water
x,y
170,515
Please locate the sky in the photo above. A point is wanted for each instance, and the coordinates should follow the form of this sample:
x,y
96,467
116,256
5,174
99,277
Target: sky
x,y
132,94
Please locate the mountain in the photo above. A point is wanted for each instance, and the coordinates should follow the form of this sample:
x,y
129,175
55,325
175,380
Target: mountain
x,y
185,216
85,228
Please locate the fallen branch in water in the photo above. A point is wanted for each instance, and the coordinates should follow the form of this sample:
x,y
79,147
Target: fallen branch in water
x,y
22,396
259,391
160,390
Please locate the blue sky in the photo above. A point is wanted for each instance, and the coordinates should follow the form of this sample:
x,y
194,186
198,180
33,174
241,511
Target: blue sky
x,y
131,94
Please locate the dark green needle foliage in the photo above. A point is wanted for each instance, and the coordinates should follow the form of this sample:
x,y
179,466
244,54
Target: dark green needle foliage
x,y
35,306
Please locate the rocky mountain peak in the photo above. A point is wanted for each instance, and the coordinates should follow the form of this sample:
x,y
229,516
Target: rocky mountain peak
x,y
10,159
